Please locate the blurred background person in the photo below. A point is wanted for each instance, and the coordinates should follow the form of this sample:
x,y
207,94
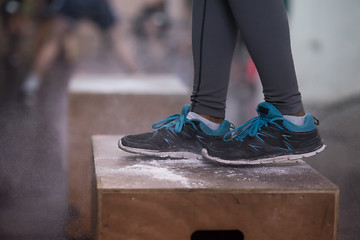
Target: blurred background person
x,y
65,14
151,30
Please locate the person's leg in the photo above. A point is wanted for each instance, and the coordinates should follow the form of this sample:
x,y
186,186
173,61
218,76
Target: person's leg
x,y
264,28
270,137
214,36
49,51
45,58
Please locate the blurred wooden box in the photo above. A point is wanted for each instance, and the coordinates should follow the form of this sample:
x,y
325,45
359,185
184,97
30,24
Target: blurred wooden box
x,y
111,104
144,198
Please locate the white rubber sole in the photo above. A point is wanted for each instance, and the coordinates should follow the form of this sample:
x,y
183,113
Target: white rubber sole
x,y
154,153
279,159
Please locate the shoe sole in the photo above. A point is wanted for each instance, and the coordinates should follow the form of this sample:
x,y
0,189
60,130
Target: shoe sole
x,y
154,153
278,159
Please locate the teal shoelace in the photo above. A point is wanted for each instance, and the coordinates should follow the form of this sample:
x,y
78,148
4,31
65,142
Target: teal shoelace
x,y
251,128
177,120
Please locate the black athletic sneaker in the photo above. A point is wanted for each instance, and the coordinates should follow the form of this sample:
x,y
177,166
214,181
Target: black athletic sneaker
x,y
175,137
267,138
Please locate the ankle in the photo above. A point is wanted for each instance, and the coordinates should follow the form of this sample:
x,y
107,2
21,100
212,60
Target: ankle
x,y
211,124
298,114
297,118
211,118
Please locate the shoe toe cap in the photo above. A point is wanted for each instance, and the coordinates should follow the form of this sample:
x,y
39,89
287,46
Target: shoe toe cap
x,y
140,141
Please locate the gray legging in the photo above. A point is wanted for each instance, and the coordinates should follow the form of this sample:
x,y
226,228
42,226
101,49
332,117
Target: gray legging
x,y
265,30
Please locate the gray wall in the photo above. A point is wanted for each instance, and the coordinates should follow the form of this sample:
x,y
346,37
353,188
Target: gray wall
x,y
326,46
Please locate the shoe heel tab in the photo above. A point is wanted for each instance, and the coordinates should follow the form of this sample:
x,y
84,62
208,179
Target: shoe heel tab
x,y
225,124
316,121
309,123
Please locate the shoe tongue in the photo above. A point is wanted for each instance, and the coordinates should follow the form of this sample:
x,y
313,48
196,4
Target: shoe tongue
x,y
268,110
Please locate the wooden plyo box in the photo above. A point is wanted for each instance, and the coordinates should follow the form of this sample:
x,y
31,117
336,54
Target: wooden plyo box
x,y
144,198
91,94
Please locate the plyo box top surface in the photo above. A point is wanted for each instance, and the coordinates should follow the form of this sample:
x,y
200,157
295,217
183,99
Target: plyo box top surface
x,y
117,170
